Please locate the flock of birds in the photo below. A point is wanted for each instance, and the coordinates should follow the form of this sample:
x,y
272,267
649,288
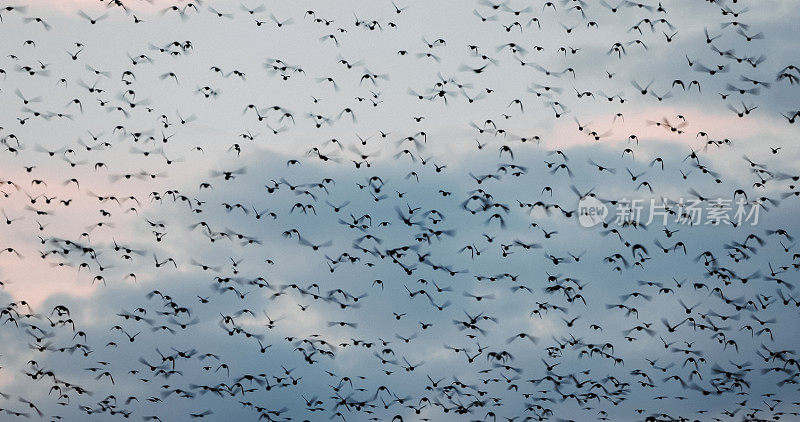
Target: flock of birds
x,y
369,211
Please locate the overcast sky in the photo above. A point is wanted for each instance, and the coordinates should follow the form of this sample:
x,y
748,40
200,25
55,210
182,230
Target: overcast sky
x,y
182,114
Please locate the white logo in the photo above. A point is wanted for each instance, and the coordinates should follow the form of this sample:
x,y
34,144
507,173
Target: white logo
x,y
591,211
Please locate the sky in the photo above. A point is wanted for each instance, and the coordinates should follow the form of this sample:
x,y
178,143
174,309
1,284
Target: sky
x,y
218,197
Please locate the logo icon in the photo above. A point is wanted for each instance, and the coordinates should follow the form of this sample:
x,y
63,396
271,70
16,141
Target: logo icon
x,y
591,211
